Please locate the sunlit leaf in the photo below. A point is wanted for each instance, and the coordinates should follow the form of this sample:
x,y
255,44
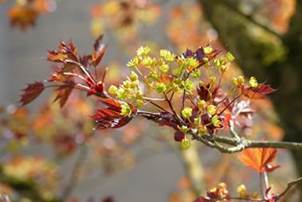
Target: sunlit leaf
x,y
259,158
257,93
31,92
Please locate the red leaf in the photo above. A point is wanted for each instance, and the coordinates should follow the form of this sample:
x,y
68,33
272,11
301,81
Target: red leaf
x,y
31,92
97,43
55,56
109,118
97,56
63,93
259,158
111,103
99,51
64,51
257,93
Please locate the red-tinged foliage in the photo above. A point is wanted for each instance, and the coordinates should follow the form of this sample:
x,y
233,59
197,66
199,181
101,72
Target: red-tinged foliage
x,y
99,51
179,136
31,92
64,51
257,93
63,92
259,159
111,117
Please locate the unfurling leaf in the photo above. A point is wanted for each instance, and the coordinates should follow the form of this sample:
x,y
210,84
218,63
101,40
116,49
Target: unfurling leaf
x,y
31,92
112,116
63,92
258,92
99,51
259,159
109,118
64,51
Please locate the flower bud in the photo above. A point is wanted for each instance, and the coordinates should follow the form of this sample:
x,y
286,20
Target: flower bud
x,y
185,144
187,112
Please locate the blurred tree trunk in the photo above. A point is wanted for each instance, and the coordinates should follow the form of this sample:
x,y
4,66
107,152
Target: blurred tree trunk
x,y
271,57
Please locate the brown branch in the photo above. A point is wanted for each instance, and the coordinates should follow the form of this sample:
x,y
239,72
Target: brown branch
x,y
289,186
232,145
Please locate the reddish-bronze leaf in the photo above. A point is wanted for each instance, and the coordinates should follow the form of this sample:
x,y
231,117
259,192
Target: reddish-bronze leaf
x,y
55,56
97,56
63,93
31,92
259,158
97,43
64,51
99,51
257,93
112,103
110,118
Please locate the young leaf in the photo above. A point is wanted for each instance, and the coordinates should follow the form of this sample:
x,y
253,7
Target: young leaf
x,y
99,51
259,159
110,118
257,93
31,92
63,92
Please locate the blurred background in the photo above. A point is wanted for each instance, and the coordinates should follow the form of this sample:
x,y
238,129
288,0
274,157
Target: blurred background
x,y
48,154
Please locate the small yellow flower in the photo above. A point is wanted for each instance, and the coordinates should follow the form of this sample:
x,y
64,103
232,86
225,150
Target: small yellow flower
x,y
253,82
143,51
185,144
134,62
133,76
211,109
238,81
160,87
148,61
208,50
164,68
113,90
242,192
215,121
187,112
167,55
201,104
230,57
125,109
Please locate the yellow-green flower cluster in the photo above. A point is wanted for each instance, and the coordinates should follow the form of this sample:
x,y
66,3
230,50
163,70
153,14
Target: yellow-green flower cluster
x,y
129,90
222,63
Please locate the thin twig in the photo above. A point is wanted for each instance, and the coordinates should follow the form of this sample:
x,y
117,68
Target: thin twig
x,y
289,186
73,179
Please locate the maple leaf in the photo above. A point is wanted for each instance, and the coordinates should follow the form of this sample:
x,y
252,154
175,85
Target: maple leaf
x,y
257,93
63,92
31,92
111,116
63,52
259,159
99,51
